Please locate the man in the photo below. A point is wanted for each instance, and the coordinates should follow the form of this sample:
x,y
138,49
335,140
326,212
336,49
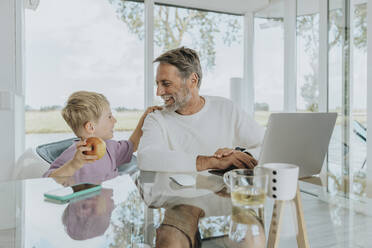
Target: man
x,y
186,134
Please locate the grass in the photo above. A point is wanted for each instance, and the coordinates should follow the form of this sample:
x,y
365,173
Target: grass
x,y
52,121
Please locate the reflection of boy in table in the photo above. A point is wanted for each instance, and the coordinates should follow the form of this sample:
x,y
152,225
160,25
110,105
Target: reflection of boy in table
x,y
89,218
186,134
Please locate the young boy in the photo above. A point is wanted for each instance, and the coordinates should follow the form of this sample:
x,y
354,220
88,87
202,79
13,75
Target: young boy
x,y
89,115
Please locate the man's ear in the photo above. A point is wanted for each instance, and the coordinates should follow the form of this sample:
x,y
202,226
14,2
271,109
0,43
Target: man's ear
x,y
194,80
89,127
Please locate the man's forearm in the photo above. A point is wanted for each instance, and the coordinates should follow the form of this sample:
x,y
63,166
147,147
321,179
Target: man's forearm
x,y
205,162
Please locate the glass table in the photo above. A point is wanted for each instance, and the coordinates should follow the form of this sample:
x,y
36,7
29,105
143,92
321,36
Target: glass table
x,y
139,210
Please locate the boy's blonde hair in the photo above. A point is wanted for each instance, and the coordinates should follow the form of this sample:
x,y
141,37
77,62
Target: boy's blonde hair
x,y
83,106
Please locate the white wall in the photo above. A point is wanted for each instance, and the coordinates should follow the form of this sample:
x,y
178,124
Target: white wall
x,y
11,85
369,89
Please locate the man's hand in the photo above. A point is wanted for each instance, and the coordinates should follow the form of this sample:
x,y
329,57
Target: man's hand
x,y
223,152
238,159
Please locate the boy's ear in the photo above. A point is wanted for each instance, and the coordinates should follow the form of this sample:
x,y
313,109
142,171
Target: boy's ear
x,y
89,127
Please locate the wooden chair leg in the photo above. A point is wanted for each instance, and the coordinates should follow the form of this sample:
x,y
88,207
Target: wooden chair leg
x,y
302,239
274,233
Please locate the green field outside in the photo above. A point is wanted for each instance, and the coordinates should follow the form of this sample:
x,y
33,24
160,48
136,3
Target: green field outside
x,y
52,121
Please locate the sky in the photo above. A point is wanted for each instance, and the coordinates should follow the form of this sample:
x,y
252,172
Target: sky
x,y
82,45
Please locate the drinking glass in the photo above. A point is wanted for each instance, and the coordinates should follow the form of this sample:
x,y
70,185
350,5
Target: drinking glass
x,y
248,187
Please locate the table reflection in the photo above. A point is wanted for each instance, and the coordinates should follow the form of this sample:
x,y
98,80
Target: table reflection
x,y
85,219
246,228
148,209
195,213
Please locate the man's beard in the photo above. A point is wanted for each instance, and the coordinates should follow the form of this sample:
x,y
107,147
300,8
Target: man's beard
x,y
180,99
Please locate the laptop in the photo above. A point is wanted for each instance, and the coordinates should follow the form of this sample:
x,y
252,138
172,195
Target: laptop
x,y
298,138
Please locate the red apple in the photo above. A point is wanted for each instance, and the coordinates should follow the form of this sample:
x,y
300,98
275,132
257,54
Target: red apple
x,y
97,145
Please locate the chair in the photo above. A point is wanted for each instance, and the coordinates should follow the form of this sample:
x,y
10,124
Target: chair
x,y
361,132
33,163
49,152
29,165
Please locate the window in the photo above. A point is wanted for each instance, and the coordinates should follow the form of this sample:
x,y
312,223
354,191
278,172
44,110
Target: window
x,y
359,95
307,57
347,97
81,45
268,66
218,39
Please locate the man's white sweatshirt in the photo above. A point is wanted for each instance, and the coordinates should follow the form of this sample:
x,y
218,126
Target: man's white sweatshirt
x,y
171,142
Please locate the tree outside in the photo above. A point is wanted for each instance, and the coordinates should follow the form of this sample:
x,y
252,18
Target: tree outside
x,y
175,26
308,30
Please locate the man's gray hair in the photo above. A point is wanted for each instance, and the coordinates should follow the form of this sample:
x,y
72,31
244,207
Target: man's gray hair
x,y
185,59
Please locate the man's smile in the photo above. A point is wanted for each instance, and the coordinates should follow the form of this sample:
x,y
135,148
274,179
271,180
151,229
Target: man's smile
x,y
168,99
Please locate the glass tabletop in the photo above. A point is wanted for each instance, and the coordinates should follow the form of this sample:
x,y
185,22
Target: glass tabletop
x,y
147,208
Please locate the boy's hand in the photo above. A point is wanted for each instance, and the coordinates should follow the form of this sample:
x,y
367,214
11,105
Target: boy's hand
x,y
136,135
80,158
150,110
